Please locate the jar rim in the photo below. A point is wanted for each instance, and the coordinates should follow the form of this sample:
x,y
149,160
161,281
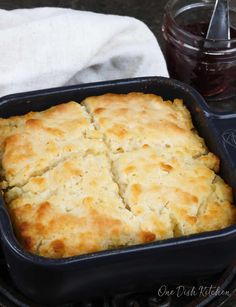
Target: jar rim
x,y
169,11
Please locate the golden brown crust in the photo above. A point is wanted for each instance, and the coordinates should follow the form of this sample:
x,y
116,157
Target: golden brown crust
x,y
37,141
119,170
128,122
77,214
185,191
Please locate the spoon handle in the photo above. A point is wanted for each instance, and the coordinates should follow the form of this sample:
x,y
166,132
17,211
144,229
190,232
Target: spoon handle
x,y
219,27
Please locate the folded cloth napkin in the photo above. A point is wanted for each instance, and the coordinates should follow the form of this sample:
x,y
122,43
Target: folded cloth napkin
x,y
49,47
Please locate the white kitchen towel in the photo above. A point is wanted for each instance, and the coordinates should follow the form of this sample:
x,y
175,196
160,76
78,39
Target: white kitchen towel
x,y
49,47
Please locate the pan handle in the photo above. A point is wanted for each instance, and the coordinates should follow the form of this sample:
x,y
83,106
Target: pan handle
x,y
224,127
229,143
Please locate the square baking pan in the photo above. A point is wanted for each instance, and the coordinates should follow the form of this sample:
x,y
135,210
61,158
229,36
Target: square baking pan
x,y
70,279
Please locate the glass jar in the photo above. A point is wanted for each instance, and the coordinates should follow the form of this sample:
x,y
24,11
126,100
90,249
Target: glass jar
x,y
209,67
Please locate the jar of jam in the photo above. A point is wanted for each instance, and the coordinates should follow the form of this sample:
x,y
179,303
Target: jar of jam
x,y
209,67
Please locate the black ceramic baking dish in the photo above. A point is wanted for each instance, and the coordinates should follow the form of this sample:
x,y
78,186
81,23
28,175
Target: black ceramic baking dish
x,y
64,280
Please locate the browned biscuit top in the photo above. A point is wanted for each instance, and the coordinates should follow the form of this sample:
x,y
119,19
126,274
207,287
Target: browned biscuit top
x,y
113,171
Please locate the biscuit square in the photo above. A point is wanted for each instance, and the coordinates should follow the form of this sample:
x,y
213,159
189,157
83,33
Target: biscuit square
x,y
130,121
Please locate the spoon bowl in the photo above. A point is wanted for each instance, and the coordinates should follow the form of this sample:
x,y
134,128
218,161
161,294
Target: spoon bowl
x,y
219,26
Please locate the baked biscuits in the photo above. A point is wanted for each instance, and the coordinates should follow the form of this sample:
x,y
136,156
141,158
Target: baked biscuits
x,y
113,171
33,143
128,122
71,209
171,196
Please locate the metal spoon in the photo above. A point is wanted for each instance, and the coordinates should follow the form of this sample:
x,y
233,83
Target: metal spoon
x,y
219,26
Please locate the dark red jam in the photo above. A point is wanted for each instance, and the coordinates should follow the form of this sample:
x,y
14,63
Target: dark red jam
x,y
211,71
200,29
